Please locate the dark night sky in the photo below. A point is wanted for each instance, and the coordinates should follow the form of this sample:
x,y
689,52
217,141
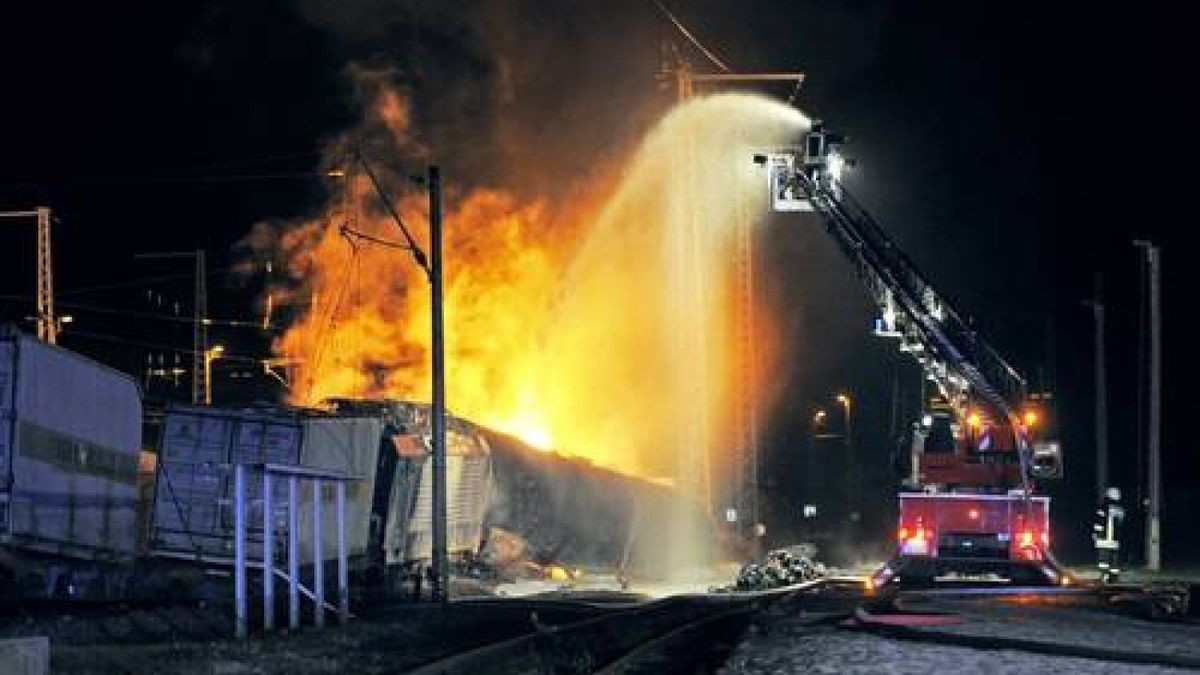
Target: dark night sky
x,y
1013,149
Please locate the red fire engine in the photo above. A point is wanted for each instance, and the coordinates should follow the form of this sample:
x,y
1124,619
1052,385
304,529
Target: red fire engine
x,y
969,506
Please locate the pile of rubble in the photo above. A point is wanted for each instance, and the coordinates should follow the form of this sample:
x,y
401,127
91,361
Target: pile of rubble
x,y
781,567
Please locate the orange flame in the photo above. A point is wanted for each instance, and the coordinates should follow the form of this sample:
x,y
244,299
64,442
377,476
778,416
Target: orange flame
x,y
563,325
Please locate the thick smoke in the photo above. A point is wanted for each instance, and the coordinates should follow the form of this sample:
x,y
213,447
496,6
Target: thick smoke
x,y
538,97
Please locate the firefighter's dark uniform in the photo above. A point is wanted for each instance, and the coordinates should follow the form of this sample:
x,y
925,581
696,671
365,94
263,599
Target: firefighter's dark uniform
x,y
1105,533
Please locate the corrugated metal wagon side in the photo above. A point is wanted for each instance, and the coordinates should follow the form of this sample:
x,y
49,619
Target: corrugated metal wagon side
x,y
193,507
70,437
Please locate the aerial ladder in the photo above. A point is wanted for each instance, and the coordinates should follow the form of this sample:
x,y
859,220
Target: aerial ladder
x,y
969,507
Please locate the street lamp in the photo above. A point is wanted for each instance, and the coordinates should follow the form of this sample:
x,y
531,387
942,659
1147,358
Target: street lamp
x,y
844,399
211,354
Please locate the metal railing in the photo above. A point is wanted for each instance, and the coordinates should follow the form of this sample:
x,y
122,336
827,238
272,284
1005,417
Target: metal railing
x,y
293,474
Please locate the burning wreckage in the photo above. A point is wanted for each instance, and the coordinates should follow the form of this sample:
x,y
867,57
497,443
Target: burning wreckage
x,y
514,512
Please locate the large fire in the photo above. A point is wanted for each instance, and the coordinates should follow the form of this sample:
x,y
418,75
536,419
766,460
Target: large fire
x,y
603,330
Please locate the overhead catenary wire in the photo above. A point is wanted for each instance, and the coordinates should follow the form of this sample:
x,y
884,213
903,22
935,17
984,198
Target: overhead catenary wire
x,y
323,335
410,243
179,174
690,37
231,323
116,339
140,282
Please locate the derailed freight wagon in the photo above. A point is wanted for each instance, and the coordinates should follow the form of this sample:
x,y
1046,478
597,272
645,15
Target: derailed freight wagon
x,y
380,444
572,512
405,481
70,436
199,446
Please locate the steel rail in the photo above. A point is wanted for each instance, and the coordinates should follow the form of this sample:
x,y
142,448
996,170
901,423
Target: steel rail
x,y
614,635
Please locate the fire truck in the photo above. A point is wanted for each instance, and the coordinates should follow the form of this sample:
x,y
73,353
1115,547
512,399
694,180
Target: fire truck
x,y
969,506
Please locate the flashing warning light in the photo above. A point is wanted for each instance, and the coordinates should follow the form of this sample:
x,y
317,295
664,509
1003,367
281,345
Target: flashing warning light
x,y
915,542
1030,418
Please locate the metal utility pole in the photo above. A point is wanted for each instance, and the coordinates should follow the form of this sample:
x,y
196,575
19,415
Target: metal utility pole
x,y
1152,269
201,376
1097,306
441,562
437,408
47,323
199,320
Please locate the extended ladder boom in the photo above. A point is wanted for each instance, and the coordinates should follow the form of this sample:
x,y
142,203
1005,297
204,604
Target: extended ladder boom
x,y
950,351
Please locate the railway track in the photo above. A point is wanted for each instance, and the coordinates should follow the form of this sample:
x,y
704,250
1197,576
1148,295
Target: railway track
x,y
676,634
680,634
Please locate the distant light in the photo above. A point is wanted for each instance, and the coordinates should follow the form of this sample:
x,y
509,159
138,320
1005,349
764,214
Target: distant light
x,y
974,420
973,514
927,420
810,510
843,399
336,173
819,417
1030,418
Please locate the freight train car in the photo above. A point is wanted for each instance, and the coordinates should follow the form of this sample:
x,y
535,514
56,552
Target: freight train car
x,y
81,516
382,444
573,512
70,435
198,448
404,483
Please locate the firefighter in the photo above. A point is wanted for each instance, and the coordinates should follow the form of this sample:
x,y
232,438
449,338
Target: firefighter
x,y
1109,515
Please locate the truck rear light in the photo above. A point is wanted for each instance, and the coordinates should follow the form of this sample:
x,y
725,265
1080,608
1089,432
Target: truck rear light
x,y
1026,539
915,542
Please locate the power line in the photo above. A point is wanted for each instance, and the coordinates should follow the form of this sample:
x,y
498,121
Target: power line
x,y
104,337
143,281
173,175
691,38
232,323
324,330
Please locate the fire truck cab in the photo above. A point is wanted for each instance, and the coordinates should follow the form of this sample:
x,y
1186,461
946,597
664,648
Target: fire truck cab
x,y
964,512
